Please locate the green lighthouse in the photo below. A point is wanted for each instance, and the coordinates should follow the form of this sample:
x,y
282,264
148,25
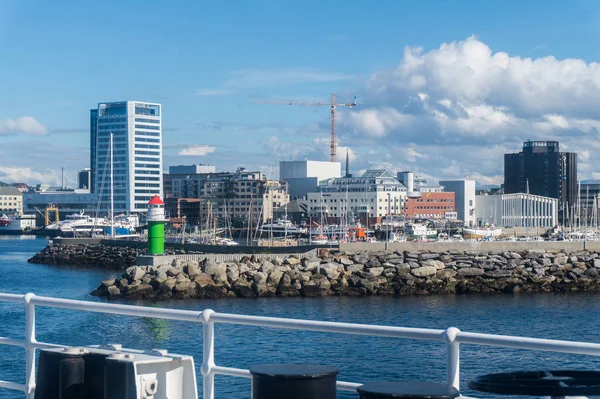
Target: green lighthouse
x,y
156,226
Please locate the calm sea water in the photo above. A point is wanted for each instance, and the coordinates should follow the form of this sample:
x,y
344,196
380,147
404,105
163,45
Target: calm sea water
x,y
360,359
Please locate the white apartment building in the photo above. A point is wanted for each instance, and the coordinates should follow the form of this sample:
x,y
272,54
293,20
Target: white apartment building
x,y
375,194
11,200
137,153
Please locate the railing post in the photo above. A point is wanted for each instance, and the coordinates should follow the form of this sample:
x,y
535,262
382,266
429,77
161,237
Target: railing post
x,y
453,357
208,355
29,349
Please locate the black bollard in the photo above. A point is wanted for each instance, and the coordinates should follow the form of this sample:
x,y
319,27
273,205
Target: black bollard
x,y
406,390
60,374
293,381
71,382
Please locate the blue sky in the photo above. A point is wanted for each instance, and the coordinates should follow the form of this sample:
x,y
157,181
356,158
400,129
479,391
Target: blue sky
x,y
204,61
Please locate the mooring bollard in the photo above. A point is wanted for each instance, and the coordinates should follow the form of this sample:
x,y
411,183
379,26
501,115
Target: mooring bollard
x,y
293,381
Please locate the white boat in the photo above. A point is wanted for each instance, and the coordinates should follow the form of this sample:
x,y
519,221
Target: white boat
x,y
86,225
482,232
457,238
16,223
281,227
420,231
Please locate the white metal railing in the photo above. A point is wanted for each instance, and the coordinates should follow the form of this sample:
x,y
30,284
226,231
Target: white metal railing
x,y
452,337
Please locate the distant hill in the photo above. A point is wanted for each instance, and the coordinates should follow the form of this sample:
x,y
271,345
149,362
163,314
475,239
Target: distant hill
x,y
2,184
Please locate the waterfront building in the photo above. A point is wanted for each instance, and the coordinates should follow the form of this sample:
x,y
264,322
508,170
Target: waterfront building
x,y
371,196
541,169
431,205
84,178
239,197
304,176
137,153
464,197
516,210
426,199
68,201
11,200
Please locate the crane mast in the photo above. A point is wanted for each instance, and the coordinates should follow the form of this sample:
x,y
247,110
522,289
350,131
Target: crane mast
x,y
333,104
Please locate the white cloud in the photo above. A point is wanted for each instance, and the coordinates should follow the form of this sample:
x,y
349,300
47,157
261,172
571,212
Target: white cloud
x,y
10,174
24,125
458,108
197,150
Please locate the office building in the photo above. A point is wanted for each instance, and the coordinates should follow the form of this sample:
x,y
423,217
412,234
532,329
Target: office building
x,y
137,153
464,197
304,176
516,210
541,169
367,198
11,200
84,178
431,205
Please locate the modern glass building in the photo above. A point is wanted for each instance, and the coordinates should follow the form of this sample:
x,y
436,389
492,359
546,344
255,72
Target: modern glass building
x,y
137,154
541,169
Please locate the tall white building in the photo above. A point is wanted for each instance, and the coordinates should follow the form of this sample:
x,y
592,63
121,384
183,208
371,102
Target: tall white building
x,y
304,176
137,153
464,191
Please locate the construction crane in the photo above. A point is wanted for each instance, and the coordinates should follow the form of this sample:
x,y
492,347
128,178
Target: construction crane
x,y
333,104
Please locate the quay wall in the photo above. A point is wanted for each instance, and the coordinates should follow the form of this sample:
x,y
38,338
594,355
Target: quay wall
x,y
474,246
360,273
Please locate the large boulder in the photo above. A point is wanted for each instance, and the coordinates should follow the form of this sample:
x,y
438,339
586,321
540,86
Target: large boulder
x,y
135,273
213,268
424,271
470,272
331,270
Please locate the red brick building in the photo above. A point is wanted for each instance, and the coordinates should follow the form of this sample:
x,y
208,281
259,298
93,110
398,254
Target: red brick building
x,y
432,205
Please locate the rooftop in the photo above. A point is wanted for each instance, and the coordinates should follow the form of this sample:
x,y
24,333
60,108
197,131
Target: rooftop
x,y
9,191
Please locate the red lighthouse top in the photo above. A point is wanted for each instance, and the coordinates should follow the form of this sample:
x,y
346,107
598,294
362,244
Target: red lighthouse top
x,y
156,201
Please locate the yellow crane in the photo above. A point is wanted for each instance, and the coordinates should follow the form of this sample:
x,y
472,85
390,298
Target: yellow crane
x,y
333,104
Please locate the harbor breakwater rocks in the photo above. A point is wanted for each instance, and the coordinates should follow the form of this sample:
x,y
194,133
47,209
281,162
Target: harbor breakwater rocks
x,y
86,255
365,273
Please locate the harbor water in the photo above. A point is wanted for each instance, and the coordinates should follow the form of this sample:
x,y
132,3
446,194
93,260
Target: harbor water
x,y
359,358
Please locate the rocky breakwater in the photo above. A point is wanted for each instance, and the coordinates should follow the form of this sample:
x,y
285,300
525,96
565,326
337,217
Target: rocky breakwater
x,y
366,273
98,256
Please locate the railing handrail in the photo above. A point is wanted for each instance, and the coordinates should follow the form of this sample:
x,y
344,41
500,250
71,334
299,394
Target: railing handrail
x,y
452,336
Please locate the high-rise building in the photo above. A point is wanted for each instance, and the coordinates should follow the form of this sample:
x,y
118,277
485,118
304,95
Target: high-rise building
x,y
136,128
84,178
541,169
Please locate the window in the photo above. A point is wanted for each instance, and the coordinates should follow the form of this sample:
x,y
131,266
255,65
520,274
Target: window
x,y
149,127
144,120
147,165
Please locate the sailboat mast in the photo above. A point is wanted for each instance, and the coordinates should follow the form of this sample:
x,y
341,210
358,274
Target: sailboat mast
x,y
112,191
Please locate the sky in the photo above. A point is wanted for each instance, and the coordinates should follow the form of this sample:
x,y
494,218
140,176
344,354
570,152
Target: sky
x,y
444,88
